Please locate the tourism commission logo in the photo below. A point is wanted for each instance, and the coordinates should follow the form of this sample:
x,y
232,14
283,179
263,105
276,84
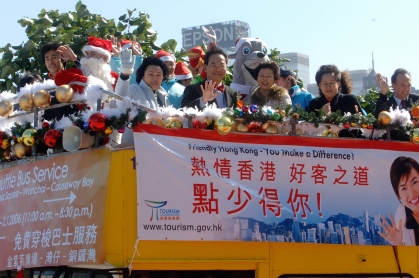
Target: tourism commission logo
x,y
160,213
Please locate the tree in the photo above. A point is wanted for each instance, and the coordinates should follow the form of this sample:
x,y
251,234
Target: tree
x,y
73,28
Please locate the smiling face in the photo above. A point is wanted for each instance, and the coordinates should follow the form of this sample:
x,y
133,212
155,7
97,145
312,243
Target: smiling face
x,y
153,76
216,68
329,86
402,86
266,79
408,190
170,67
53,62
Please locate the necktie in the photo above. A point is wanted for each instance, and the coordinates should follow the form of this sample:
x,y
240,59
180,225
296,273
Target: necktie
x,y
403,104
220,88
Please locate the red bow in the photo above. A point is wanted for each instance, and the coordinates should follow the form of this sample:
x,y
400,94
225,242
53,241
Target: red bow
x,y
220,88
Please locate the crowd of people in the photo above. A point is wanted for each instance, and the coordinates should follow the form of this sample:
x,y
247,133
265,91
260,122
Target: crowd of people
x,y
160,81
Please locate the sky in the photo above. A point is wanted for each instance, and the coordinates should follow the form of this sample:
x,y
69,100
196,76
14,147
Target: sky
x,y
344,33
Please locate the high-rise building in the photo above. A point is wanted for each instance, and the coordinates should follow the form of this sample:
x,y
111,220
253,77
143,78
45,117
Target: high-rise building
x,y
299,62
354,239
360,238
347,235
296,231
338,230
330,226
311,235
365,221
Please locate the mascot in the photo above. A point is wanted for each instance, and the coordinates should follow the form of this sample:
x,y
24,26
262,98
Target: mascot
x,y
248,54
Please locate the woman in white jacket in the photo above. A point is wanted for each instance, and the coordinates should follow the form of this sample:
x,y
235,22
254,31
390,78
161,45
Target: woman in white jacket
x,y
404,228
150,75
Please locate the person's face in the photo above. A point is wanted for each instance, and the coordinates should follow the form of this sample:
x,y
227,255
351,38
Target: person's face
x,y
53,62
93,54
153,76
216,68
402,86
284,82
329,85
170,67
409,191
266,79
186,82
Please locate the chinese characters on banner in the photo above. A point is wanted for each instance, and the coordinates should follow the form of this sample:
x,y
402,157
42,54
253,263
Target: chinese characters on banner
x,y
233,189
52,211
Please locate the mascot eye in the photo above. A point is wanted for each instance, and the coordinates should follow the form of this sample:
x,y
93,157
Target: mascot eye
x,y
246,50
264,50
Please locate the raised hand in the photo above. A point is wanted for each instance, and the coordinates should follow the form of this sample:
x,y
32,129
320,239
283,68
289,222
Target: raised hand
x,y
136,48
392,233
116,46
208,91
382,83
127,62
326,108
210,34
66,53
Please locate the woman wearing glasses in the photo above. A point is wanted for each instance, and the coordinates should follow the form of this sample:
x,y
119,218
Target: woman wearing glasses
x,y
268,93
335,90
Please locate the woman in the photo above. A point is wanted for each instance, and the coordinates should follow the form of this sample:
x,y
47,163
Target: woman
x,y
404,229
268,93
148,91
335,90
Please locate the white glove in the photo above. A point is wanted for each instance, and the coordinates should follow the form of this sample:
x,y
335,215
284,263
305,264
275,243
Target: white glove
x,y
127,61
210,34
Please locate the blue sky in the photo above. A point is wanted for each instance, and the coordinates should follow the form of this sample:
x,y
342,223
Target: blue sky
x,y
329,31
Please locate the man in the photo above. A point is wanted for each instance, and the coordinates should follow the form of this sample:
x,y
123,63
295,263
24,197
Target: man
x,y
212,90
55,57
401,97
98,54
289,80
174,89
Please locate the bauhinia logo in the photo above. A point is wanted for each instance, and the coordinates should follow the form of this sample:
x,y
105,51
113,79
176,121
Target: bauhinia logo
x,y
155,205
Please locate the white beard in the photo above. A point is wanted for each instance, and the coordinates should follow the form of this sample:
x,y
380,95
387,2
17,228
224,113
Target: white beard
x,y
99,69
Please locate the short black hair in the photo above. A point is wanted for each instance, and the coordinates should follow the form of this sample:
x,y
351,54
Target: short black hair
x,y
28,78
151,61
401,168
213,51
396,73
48,47
267,65
343,77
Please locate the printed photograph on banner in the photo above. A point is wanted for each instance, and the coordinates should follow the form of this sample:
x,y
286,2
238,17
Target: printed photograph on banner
x,y
51,211
215,190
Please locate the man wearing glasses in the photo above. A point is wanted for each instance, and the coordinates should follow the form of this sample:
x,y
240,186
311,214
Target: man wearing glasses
x,y
288,79
212,90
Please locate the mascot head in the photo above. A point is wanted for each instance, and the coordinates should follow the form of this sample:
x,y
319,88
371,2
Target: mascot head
x,y
249,52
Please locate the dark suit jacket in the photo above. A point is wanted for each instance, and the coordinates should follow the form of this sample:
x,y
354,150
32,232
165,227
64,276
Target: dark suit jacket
x,y
344,103
193,93
384,103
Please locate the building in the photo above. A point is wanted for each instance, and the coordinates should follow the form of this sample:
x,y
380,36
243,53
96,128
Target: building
x,y
300,63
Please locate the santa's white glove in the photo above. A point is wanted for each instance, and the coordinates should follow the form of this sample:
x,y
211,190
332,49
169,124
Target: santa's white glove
x,y
210,34
127,61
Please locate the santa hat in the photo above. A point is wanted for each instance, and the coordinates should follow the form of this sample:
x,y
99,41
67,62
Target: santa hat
x,y
165,56
182,72
125,44
98,45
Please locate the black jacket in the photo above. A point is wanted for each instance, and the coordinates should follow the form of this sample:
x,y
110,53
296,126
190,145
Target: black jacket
x,y
344,103
193,93
384,103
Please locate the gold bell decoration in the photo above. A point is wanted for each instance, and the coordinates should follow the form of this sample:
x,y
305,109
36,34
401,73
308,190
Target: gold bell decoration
x,y
239,125
42,98
155,121
223,125
385,118
173,122
6,108
19,150
64,93
108,130
30,137
26,102
270,127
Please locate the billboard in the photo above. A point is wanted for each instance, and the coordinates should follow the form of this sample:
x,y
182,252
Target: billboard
x,y
198,185
227,34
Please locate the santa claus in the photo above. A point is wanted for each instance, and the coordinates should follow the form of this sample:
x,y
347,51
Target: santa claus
x,y
95,63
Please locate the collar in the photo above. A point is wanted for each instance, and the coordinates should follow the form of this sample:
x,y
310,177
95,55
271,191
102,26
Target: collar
x,y
398,101
294,90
